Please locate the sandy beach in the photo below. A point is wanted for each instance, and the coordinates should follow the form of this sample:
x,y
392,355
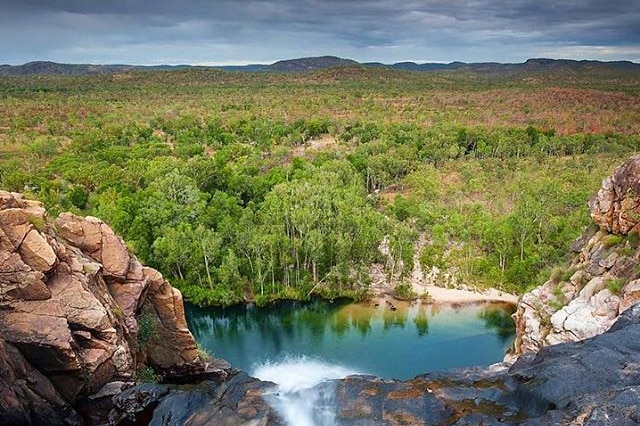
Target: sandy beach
x,y
450,295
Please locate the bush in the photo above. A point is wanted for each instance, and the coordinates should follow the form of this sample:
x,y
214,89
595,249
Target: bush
x,y
147,330
148,374
404,292
78,197
611,240
615,285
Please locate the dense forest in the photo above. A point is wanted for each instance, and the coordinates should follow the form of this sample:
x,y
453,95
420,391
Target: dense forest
x,y
263,186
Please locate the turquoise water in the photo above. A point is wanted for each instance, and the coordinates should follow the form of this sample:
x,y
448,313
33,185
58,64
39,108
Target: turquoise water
x,y
364,338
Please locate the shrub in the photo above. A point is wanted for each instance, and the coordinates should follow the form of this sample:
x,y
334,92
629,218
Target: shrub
x,y
148,374
147,330
615,285
611,240
404,291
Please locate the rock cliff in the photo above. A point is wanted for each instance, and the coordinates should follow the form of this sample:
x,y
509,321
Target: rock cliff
x,y
602,280
80,316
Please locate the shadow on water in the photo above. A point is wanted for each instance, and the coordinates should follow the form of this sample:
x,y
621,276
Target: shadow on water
x,y
498,319
399,343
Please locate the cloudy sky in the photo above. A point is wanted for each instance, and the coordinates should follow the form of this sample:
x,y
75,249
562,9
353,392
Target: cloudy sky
x,y
243,31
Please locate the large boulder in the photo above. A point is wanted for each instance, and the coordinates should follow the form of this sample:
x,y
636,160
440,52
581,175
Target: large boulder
x,y
616,206
72,298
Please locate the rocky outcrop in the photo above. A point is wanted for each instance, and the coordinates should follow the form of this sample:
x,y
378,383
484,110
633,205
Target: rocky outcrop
x,y
236,401
616,205
601,282
593,382
80,315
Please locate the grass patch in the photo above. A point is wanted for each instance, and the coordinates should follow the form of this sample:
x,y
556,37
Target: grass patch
x,y
615,285
559,300
559,274
37,222
633,238
556,274
626,250
611,240
203,353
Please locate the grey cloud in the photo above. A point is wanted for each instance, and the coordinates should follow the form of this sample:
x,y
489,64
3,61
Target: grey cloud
x,y
144,31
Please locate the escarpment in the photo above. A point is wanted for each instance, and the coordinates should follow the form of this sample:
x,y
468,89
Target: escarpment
x,y
80,316
602,280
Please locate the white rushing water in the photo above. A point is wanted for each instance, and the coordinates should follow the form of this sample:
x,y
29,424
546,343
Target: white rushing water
x,y
303,396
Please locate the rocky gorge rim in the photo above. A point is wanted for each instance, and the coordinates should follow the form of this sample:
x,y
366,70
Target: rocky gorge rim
x,y
576,354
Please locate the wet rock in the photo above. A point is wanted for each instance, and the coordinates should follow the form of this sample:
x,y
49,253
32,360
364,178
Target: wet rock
x,y
236,401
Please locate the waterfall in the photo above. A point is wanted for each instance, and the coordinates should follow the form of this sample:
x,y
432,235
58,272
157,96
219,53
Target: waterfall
x,y
304,395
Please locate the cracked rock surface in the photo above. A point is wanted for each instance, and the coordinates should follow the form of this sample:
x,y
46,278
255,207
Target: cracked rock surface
x,y
71,297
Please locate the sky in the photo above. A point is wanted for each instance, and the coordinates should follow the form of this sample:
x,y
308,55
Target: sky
x,y
218,32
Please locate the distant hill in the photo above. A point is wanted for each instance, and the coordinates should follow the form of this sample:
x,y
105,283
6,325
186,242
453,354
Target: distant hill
x,y
311,64
323,62
54,68
538,64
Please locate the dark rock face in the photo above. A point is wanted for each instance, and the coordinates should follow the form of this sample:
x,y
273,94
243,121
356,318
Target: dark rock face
x,y
236,401
27,396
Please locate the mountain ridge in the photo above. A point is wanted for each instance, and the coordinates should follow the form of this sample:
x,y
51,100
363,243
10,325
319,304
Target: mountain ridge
x,y
309,64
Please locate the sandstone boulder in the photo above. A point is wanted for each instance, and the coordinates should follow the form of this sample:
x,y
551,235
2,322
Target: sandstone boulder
x,y
36,252
71,298
616,205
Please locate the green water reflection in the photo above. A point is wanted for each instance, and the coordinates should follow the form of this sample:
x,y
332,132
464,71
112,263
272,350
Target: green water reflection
x,y
400,343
